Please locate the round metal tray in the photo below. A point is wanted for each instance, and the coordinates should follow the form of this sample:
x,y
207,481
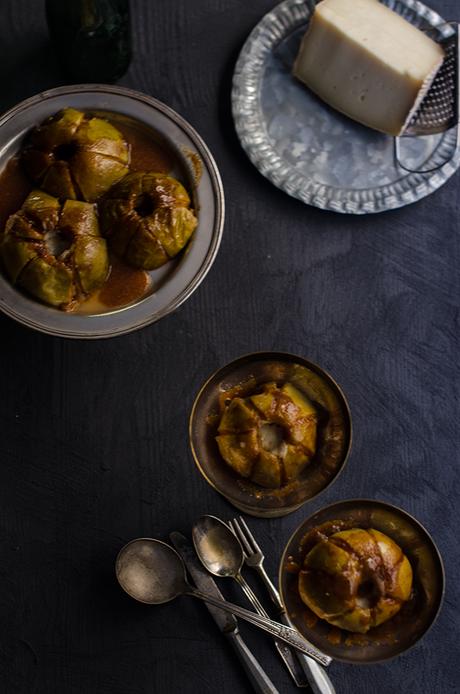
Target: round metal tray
x,y
313,152
173,283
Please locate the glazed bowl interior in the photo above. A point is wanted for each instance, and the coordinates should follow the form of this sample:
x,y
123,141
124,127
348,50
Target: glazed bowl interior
x,y
416,616
334,432
190,162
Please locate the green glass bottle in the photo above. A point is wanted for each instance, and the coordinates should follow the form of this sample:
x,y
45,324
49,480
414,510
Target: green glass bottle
x,y
91,37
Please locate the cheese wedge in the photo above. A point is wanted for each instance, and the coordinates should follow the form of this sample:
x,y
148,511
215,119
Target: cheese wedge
x,y
366,61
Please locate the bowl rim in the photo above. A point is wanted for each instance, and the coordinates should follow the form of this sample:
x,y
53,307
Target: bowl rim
x,y
152,314
294,358
416,522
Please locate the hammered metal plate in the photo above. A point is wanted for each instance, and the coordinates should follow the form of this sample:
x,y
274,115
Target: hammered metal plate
x,y
175,281
313,152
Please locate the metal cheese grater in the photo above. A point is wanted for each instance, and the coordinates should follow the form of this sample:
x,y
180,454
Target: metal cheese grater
x,y
439,109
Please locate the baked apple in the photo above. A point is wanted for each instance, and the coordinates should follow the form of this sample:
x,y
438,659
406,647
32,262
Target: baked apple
x,y
54,250
355,579
75,156
270,436
147,219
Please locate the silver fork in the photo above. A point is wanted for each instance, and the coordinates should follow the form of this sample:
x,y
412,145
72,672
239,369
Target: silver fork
x,y
287,653
318,679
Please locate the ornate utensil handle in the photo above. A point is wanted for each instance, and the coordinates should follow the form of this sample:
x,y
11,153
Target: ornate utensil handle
x,y
283,632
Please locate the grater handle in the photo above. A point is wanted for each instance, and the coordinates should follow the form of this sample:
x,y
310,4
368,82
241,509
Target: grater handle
x,y
396,141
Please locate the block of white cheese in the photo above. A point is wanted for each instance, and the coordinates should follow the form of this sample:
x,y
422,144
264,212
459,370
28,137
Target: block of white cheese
x,y
366,61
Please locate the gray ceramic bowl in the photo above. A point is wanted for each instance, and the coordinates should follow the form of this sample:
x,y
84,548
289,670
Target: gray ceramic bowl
x,y
173,283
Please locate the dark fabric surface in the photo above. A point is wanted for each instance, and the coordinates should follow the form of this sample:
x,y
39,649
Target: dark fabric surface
x,y
94,447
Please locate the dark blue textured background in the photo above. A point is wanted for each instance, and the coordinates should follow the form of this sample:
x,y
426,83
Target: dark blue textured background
x,y
93,445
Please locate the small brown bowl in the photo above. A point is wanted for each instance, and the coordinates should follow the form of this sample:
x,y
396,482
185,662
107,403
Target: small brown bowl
x,y
415,617
334,432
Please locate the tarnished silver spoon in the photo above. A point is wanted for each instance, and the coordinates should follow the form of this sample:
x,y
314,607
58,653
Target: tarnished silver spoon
x,y
152,572
220,552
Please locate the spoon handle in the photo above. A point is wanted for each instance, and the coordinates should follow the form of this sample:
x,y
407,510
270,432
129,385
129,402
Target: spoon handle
x,y
281,631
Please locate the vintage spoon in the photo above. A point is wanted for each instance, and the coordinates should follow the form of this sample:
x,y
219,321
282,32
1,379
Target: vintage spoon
x,y
153,572
220,552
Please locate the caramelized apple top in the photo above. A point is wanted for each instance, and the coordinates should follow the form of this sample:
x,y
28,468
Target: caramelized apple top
x,y
269,435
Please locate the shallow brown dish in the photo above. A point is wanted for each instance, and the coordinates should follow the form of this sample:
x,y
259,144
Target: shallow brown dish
x,y
415,617
334,432
191,163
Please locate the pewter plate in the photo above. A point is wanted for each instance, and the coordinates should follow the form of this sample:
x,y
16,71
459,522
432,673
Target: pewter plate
x,y
173,283
313,152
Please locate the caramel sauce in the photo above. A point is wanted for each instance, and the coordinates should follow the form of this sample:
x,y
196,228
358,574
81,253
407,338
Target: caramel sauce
x,y
195,162
146,153
321,533
213,420
291,566
334,636
310,619
124,284
355,639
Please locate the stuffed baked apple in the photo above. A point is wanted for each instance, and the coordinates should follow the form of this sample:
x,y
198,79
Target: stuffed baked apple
x,y
54,251
355,579
75,156
147,219
270,436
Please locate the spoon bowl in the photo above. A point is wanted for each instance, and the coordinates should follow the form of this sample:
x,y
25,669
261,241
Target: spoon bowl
x,y
218,548
150,571
221,553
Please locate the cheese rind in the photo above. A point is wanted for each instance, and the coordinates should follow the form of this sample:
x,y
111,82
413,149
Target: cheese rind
x,y
366,61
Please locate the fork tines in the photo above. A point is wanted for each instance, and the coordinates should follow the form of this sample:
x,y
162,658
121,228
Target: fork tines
x,y
246,538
